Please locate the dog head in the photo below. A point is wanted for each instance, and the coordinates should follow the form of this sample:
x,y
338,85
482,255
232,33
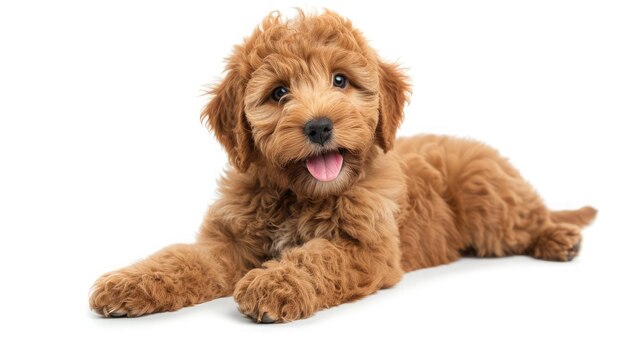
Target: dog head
x,y
306,101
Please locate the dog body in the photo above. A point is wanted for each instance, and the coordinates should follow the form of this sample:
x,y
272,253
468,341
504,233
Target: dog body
x,y
323,205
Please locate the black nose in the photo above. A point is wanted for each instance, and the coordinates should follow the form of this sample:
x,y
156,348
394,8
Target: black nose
x,y
319,130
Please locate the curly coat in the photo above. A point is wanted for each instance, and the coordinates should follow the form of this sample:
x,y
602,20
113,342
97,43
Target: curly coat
x,y
285,244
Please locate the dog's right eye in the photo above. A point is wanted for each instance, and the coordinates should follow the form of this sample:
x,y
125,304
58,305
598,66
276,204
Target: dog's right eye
x,y
340,81
279,93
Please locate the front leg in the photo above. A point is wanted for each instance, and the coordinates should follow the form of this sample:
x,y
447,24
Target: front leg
x,y
177,276
320,274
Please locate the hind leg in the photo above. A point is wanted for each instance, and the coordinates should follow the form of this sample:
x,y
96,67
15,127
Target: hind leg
x,y
493,210
501,214
538,237
527,231
519,224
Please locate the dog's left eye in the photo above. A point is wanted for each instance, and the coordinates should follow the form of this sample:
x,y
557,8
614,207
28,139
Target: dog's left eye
x,y
279,93
340,81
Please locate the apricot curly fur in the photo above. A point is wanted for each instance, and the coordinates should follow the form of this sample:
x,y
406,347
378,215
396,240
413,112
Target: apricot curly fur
x,y
285,244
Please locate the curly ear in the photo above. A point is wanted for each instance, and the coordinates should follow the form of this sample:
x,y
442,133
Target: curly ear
x,y
227,119
394,93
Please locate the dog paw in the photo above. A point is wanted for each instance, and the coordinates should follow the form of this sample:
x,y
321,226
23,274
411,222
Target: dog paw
x,y
124,294
561,243
277,293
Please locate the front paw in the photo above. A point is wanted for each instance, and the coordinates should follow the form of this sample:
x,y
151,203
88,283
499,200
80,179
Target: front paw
x,y
125,293
276,293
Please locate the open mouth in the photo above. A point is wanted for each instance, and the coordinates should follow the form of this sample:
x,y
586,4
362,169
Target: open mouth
x,y
325,167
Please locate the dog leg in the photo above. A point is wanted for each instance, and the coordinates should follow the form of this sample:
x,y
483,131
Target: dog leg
x,y
319,274
538,235
175,277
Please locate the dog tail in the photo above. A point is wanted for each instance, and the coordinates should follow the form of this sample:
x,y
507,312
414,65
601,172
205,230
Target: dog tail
x,y
580,217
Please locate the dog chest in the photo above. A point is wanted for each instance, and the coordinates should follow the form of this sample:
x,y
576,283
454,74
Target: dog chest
x,y
303,222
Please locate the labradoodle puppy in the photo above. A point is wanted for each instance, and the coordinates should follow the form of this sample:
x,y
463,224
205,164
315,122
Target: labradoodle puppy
x,y
322,205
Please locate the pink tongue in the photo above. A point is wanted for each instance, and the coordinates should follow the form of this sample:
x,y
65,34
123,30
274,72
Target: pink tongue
x,y
325,167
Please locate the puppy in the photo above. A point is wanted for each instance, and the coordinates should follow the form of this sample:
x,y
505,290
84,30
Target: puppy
x,y
318,209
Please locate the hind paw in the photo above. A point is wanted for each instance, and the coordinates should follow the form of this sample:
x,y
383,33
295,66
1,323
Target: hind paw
x,y
560,243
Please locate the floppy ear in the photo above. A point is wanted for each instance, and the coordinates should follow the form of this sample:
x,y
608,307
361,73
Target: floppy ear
x,y
394,90
227,119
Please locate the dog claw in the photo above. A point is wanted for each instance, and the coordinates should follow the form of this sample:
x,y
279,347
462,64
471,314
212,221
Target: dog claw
x,y
115,313
266,319
573,252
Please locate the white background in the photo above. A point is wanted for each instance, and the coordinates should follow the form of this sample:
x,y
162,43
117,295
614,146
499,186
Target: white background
x,y
103,160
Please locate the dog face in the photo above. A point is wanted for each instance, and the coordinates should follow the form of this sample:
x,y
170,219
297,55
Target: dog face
x,y
305,101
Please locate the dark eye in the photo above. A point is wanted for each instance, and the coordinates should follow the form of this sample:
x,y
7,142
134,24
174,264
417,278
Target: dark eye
x,y
340,81
279,93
